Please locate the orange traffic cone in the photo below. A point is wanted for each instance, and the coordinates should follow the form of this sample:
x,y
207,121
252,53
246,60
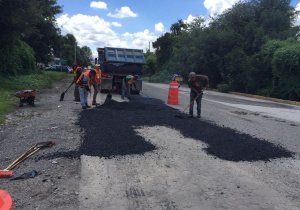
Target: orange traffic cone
x,y
173,93
5,200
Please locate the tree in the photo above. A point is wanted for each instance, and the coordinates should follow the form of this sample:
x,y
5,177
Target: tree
x,y
46,36
176,28
85,56
151,64
163,46
286,70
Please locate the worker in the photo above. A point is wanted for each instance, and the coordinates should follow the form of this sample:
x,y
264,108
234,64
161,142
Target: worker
x,y
127,83
84,83
77,70
196,83
96,85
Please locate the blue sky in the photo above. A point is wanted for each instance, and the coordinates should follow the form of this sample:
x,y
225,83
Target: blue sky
x,y
131,23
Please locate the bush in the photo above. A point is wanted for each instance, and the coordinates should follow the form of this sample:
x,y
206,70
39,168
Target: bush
x,y
286,70
17,59
224,88
264,92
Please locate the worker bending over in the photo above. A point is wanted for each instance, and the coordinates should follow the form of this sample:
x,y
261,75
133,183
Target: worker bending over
x,y
84,83
127,83
197,83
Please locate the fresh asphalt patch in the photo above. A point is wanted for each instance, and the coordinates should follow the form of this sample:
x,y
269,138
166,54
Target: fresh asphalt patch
x,y
109,131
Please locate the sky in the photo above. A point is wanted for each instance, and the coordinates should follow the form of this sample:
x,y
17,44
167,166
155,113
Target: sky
x,y
132,23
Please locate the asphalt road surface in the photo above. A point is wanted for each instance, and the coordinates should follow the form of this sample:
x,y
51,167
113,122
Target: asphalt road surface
x,y
242,154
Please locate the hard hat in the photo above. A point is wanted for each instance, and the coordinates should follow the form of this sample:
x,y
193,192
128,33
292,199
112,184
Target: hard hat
x,y
192,74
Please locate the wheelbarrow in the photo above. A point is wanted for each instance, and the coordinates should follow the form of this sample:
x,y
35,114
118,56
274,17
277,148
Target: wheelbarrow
x,y
26,96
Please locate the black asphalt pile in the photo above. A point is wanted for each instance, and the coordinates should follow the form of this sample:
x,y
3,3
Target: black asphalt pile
x,y
109,131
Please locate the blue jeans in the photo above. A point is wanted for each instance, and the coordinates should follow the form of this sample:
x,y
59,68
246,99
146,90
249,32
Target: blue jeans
x,y
125,90
83,93
193,96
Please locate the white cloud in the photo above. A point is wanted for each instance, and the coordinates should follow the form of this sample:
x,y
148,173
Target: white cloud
x,y
94,32
159,27
124,12
98,5
216,7
189,19
139,40
116,24
297,21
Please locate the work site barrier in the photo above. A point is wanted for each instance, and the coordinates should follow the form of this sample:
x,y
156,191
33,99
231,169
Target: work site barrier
x,y
173,93
5,200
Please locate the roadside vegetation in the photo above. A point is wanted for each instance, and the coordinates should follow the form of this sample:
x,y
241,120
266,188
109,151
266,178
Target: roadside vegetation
x,y
9,85
252,47
26,49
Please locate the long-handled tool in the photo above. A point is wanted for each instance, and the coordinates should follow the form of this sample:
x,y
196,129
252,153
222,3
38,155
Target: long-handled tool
x,y
7,172
108,98
63,94
181,116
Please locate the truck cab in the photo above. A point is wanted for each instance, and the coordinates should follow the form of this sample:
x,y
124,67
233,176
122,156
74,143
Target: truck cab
x,y
117,63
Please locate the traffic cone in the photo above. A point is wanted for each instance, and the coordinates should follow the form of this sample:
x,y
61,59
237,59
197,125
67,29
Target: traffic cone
x,y
173,93
5,200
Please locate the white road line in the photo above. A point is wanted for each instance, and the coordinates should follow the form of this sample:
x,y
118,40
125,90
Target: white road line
x,y
282,113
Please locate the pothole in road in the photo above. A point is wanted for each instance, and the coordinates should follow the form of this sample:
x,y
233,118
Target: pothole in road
x,y
109,131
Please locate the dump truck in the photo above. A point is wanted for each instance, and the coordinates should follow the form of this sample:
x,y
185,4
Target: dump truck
x,y
116,63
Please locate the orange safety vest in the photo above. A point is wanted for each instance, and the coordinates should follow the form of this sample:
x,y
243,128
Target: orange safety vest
x,y
98,75
86,73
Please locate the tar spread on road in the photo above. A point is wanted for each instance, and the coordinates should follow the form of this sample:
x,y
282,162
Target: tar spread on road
x,y
109,131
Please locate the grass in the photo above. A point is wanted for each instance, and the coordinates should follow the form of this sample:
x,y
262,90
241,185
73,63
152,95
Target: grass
x,y
8,102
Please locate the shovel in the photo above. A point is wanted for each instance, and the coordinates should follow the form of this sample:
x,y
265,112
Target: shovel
x,y
7,172
108,98
63,94
183,116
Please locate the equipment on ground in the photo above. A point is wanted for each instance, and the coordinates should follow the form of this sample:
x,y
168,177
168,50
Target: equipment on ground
x,y
7,172
116,63
26,96
63,94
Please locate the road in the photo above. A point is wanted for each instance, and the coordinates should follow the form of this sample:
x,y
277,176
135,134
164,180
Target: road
x,y
242,154
191,166
276,122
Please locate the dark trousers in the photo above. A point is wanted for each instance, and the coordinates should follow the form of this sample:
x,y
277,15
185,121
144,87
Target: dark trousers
x,y
125,89
193,96
76,93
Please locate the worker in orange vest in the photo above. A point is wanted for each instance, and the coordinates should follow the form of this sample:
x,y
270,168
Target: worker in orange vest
x,y
96,85
84,83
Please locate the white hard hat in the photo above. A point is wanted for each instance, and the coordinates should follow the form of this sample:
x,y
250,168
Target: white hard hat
x,y
192,74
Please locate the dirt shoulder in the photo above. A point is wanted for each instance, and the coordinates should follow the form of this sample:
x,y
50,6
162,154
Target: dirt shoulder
x,y
50,120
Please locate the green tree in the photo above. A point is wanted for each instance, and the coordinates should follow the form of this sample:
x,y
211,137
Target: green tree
x,y
286,69
151,64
